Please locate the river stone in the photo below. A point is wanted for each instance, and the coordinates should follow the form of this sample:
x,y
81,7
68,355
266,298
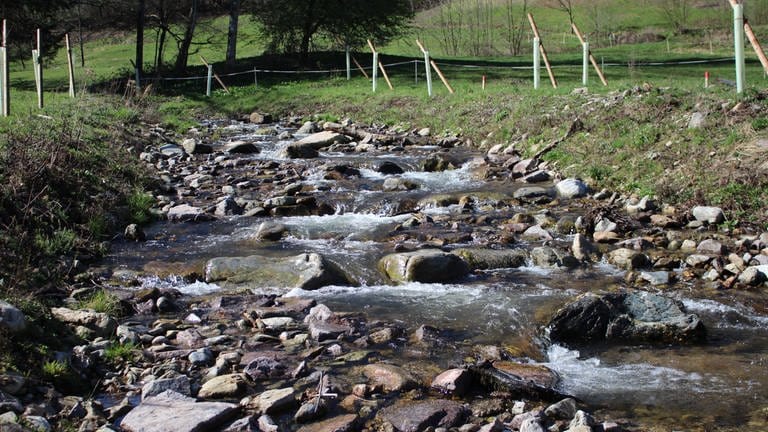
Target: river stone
x,y
655,278
538,176
100,323
390,377
11,383
532,424
563,410
321,330
453,381
179,384
343,423
408,416
752,276
532,193
260,118
489,259
628,259
537,232
309,146
427,265
306,271
399,184
625,317
11,318
389,168
240,147
710,247
224,386
583,249
710,215
170,150
262,368
188,213
273,401
173,412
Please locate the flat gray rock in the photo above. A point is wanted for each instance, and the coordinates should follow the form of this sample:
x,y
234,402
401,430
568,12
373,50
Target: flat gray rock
x,y
174,412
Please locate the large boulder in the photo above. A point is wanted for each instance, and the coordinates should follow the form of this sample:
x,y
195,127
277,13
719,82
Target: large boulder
x,y
306,271
710,215
307,147
409,416
99,323
390,377
11,318
488,259
173,412
428,265
632,317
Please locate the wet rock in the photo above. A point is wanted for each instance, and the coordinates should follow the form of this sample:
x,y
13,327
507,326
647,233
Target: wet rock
x,y
429,266
532,424
625,317
384,336
582,249
710,215
522,167
390,377
399,184
533,194
698,261
12,383
752,276
563,410
173,412
99,323
263,368
225,386
545,257
417,416
536,233
389,168
228,207
488,259
271,231
437,163
571,188
321,331
655,278
344,423
537,177
260,118
245,424
307,147
179,384
306,271
240,147
188,213
628,259
192,146
310,411
134,232
711,247
645,204
453,381
272,401
11,318
308,128
581,421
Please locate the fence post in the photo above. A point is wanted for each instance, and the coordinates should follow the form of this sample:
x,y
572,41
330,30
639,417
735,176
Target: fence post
x,y
37,60
255,78
416,72
427,68
585,64
536,64
70,68
738,40
209,82
375,69
349,63
5,94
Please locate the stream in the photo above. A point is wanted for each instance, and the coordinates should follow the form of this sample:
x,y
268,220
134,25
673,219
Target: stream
x,y
719,384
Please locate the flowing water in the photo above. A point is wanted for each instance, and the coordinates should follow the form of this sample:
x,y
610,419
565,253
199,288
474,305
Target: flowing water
x,y
719,384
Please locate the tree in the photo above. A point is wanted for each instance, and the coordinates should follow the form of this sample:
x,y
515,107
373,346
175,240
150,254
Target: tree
x,y
516,30
25,17
292,25
676,13
186,42
565,6
234,16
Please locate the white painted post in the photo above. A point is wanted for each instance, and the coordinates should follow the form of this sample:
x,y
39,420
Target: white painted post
x,y
70,68
349,63
210,81
585,64
37,58
5,94
429,73
375,69
416,72
536,63
738,41
255,78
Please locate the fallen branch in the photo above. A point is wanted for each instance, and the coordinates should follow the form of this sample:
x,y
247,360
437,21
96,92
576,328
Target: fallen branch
x,y
576,126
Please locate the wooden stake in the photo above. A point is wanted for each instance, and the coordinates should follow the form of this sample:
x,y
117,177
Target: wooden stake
x,y
591,57
442,77
70,67
365,74
756,45
543,51
221,83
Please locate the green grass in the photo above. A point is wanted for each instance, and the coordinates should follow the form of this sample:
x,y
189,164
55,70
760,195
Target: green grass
x,y
102,301
120,352
55,369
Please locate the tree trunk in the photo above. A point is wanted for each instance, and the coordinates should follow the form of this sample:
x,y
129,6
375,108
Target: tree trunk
x,y
234,14
308,30
181,61
140,36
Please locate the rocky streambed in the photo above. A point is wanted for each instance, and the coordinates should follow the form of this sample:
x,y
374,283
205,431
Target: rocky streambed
x,y
330,277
